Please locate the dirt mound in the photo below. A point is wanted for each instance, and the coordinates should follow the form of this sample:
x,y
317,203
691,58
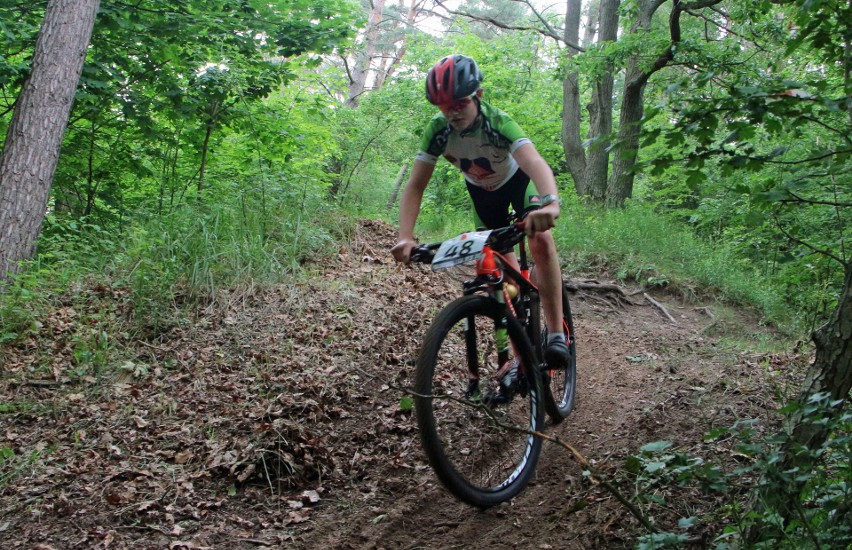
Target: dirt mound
x,y
275,421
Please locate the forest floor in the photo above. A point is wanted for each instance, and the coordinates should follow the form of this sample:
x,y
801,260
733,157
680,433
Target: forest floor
x,y
273,419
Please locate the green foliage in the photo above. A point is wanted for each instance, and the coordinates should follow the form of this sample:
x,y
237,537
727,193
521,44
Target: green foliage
x,y
642,246
161,82
17,312
19,25
823,516
69,250
757,157
188,256
12,465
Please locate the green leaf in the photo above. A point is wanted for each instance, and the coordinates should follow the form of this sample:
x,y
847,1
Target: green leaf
x,y
652,467
633,464
656,446
406,403
686,523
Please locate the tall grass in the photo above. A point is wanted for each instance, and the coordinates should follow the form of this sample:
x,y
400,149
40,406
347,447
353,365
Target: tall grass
x,y
171,261
191,255
636,243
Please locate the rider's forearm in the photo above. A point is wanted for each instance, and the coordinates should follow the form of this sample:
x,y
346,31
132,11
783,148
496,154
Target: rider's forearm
x,y
534,165
542,176
412,197
409,208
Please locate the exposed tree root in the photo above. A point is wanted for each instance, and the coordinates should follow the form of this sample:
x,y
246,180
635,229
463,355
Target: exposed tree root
x,y
612,294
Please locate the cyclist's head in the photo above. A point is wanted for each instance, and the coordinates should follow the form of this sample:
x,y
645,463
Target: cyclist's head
x,y
452,79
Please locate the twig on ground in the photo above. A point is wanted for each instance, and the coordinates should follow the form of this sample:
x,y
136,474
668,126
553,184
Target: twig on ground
x,y
593,475
597,479
706,311
660,306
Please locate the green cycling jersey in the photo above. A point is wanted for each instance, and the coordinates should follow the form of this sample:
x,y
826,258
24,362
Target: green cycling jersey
x,y
483,152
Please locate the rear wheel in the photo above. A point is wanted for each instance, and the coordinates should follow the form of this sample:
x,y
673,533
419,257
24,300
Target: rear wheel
x,y
475,413
559,384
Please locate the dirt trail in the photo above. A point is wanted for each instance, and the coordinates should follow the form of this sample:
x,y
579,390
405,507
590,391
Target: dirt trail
x,y
272,421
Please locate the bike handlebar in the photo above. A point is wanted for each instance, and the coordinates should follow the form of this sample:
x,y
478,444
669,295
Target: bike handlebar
x,y
424,253
501,240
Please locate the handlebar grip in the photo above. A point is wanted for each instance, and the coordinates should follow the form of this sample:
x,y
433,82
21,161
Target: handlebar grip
x,y
424,253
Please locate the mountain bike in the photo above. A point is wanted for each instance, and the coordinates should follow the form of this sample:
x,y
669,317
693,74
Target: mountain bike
x,y
481,384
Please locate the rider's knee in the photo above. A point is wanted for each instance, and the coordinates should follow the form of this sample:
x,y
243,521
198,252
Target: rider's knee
x,y
542,246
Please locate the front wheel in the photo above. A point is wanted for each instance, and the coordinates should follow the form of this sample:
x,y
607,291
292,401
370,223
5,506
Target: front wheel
x,y
477,404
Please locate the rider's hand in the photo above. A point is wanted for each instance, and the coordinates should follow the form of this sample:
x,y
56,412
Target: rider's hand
x,y
402,251
542,219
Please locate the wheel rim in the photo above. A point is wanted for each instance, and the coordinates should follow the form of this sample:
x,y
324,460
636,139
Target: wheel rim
x,y
484,441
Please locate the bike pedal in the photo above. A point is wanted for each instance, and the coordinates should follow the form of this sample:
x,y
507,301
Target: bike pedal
x,y
472,393
496,398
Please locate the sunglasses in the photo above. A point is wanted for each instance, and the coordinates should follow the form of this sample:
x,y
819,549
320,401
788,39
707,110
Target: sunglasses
x,y
457,105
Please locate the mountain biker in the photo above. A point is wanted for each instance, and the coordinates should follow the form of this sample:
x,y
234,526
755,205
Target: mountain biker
x,y
501,167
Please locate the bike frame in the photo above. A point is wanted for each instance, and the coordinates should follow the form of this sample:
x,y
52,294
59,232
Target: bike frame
x,y
491,272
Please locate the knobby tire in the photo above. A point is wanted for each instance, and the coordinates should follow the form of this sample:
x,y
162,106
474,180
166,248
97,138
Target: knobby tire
x,y
560,385
476,458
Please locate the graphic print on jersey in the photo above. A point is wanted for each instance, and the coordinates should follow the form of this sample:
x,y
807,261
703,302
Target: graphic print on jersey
x,y
478,169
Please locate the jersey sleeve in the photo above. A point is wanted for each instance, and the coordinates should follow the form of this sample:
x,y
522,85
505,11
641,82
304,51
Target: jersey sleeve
x,y
510,134
434,140
507,126
426,157
518,142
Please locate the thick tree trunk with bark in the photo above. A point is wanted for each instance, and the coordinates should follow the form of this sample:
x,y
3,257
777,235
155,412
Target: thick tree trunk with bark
x,y
600,109
575,157
831,372
831,375
620,185
589,168
31,150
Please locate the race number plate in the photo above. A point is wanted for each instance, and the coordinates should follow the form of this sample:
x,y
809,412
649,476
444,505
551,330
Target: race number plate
x,y
463,249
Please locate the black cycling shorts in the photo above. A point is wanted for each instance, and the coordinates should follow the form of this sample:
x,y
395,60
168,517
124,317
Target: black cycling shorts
x,y
491,208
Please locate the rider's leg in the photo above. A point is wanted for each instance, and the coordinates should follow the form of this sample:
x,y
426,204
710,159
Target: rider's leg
x,y
549,276
543,249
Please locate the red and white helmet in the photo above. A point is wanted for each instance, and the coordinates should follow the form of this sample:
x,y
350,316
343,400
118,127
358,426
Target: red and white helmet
x,y
452,78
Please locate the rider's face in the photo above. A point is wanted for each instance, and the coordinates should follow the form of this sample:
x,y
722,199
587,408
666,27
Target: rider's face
x,y
461,114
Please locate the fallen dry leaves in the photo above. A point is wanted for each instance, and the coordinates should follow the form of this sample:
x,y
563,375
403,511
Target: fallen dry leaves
x,y
277,399
270,417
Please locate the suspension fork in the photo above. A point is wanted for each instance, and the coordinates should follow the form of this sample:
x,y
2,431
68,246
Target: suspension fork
x,y
470,346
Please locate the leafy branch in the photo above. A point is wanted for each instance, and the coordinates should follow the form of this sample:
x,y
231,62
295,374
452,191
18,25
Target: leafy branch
x,y
810,247
545,30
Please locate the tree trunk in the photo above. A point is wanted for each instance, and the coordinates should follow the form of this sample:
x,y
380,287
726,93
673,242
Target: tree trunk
x,y
361,70
620,185
600,110
35,133
831,374
394,56
399,178
575,157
